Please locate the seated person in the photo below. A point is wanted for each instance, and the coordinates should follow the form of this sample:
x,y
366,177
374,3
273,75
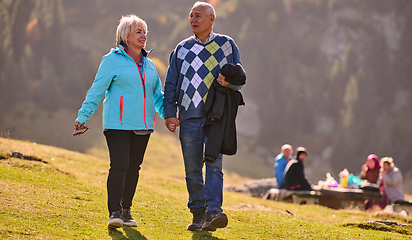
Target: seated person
x,y
370,172
294,172
371,169
281,161
392,180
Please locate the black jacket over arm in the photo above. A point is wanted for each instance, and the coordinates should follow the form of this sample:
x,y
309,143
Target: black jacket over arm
x,y
221,106
295,177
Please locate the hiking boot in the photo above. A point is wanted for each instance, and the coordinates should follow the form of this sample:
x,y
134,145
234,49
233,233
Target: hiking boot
x,y
128,219
215,220
115,220
198,220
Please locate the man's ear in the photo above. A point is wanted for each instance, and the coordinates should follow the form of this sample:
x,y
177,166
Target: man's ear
x,y
212,18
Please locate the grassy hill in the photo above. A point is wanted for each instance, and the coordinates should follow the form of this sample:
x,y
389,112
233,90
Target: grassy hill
x,y
64,197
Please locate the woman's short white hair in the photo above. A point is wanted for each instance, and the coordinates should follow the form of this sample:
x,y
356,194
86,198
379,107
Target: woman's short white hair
x,y
209,8
127,24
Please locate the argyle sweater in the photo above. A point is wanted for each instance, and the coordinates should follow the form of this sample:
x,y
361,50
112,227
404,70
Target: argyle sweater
x,y
192,68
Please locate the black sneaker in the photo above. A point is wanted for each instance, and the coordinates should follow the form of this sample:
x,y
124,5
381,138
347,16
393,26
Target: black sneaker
x,y
215,220
128,219
198,220
115,220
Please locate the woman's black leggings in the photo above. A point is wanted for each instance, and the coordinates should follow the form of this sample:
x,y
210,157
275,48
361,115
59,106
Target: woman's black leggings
x,y
126,155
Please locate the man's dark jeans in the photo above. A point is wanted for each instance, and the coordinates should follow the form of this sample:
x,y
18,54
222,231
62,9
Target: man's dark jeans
x,y
206,194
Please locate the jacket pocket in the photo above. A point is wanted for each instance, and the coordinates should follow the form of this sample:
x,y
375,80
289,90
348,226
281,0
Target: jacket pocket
x,y
121,110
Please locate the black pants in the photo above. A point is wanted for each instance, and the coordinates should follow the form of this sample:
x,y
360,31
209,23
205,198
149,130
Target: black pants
x,y
126,155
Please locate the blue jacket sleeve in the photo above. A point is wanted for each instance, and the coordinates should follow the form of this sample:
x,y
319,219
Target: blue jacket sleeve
x,y
279,173
95,94
171,82
158,97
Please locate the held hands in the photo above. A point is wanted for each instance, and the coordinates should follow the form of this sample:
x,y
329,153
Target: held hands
x,y
172,123
221,80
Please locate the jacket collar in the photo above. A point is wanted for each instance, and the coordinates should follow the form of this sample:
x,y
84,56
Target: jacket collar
x,y
121,50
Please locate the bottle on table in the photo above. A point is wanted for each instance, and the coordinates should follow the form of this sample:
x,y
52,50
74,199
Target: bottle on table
x,y
344,175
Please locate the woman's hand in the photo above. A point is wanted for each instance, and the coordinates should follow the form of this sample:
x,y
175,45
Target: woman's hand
x,y
221,80
78,126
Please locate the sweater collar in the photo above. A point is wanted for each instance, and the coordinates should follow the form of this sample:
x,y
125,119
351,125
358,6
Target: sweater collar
x,y
211,36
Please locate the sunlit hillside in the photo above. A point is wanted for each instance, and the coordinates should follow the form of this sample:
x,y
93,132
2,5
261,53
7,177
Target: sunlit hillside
x,y
63,196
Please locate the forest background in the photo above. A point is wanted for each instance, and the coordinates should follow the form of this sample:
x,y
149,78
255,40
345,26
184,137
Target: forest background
x,y
333,76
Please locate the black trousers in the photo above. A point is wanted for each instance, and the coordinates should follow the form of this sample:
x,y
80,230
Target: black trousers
x,y
126,155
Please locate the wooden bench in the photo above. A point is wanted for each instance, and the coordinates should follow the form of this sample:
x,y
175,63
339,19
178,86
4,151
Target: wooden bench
x,y
305,197
296,197
341,198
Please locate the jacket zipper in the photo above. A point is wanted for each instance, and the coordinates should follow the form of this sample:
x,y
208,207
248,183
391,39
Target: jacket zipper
x,y
142,78
121,110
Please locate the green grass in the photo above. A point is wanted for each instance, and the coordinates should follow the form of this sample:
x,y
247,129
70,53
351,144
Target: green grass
x,y
66,199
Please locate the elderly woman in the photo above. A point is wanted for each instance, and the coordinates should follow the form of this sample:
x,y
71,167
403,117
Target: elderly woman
x,y
392,180
133,92
371,172
371,169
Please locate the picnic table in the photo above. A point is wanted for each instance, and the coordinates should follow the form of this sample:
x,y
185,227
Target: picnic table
x,y
342,198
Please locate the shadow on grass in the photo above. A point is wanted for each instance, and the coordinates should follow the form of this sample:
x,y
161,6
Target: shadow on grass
x,y
131,233
203,235
395,229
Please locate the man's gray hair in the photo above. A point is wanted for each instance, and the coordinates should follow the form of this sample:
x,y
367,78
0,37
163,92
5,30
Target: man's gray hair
x,y
209,8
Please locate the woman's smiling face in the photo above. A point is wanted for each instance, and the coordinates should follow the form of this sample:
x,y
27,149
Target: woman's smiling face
x,y
137,38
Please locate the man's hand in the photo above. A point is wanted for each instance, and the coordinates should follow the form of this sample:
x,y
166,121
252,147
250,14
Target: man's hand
x,y
172,123
221,80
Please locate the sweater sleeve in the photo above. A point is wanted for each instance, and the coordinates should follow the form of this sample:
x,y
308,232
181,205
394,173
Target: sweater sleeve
x,y
236,59
392,179
102,81
236,53
171,82
362,175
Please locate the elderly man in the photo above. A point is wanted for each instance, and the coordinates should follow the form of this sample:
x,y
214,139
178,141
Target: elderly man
x,y
281,161
193,66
